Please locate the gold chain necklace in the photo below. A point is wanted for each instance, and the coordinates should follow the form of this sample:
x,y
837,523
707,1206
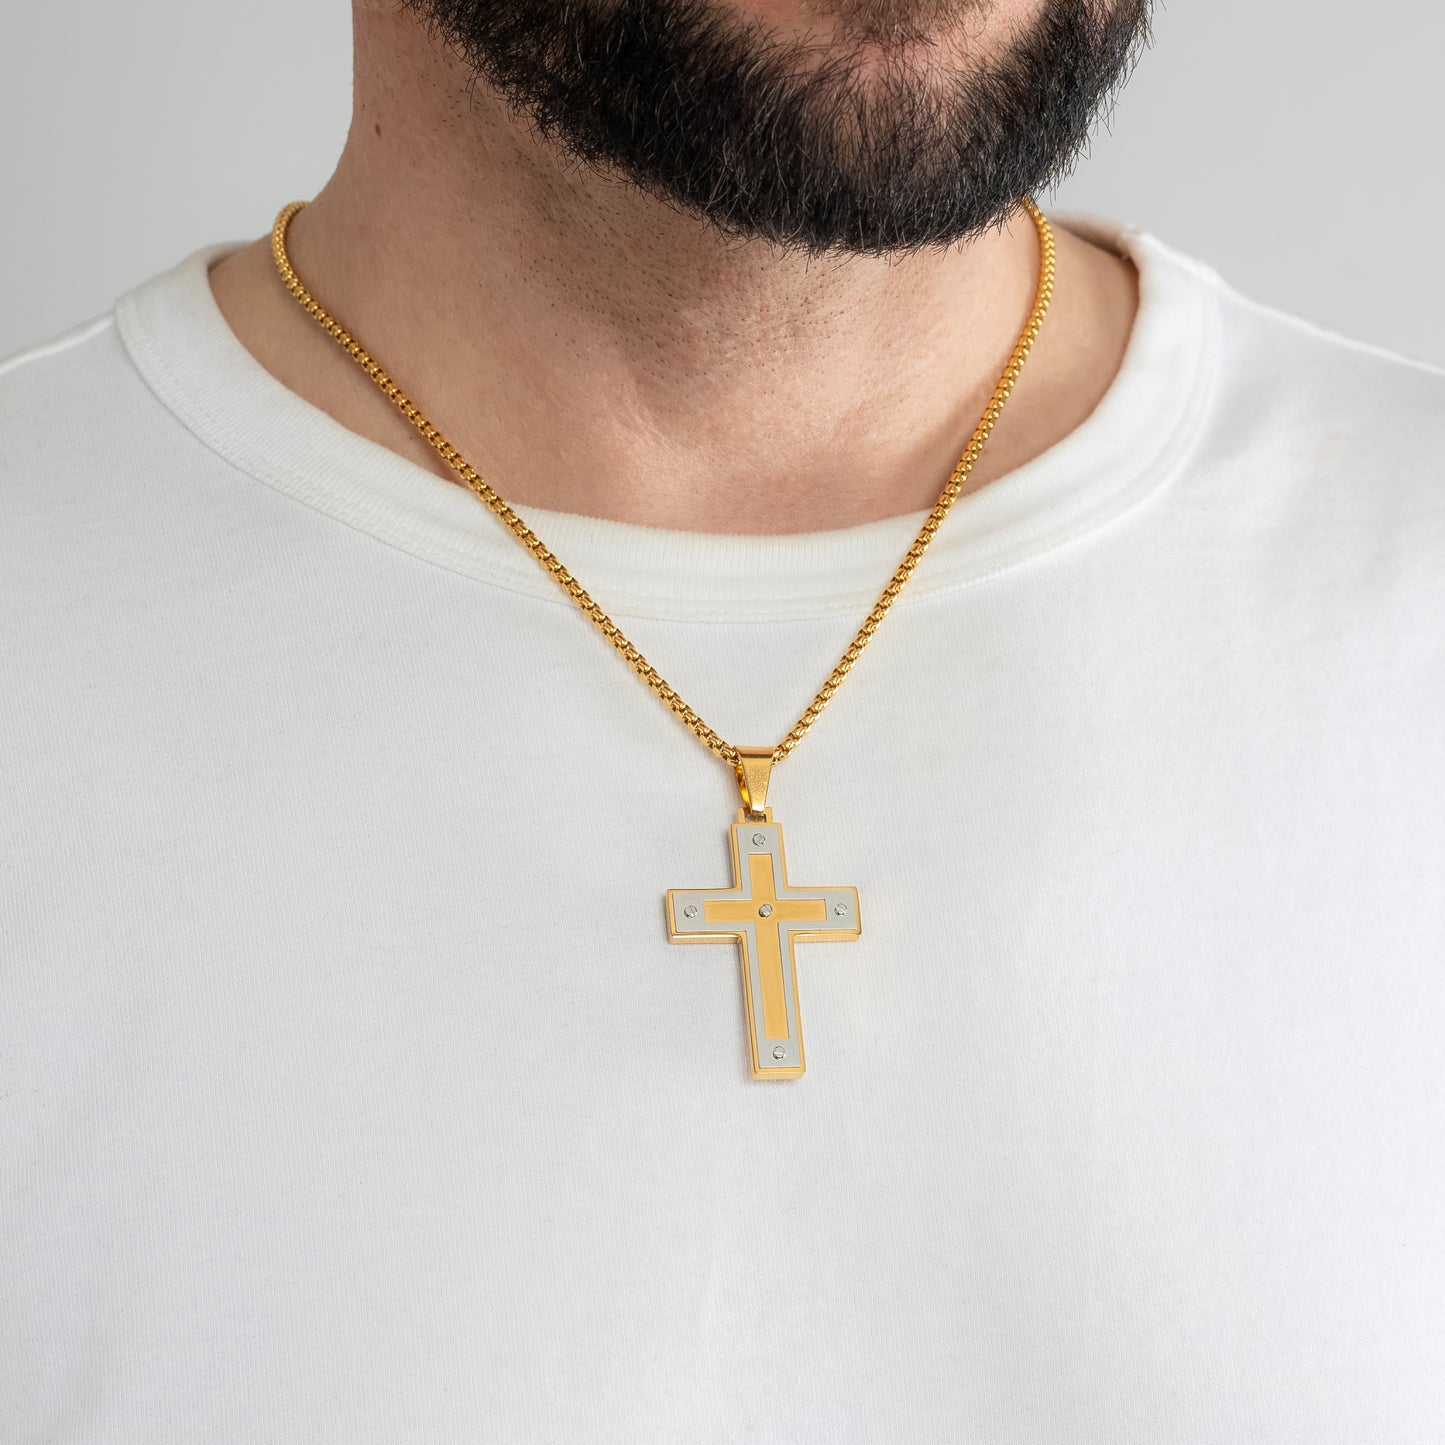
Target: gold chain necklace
x,y
761,912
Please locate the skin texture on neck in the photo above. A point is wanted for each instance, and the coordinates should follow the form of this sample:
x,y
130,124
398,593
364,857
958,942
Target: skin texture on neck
x,y
590,349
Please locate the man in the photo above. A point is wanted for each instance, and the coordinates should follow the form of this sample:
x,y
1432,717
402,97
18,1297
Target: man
x,y
356,1089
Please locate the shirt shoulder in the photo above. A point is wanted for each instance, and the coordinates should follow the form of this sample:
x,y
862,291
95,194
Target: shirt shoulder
x,y
1319,474
101,486
1280,371
85,441
52,381
65,406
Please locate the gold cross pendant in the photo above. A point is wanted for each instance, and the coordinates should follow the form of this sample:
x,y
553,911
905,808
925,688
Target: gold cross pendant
x,y
765,916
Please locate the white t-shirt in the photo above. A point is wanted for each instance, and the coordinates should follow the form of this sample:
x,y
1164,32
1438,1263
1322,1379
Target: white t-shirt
x,y
354,1093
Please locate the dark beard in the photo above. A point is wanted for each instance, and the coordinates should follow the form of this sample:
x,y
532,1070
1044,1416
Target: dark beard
x,y
756,135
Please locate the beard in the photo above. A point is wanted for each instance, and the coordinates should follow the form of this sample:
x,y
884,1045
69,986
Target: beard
x,y
882,140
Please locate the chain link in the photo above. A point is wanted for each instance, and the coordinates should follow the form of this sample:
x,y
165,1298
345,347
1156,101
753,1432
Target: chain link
x,y
574,589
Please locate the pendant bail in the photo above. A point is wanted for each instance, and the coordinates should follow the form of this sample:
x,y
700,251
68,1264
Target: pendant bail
x,y
755,768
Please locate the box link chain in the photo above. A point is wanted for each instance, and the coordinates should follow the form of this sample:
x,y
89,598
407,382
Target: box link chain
x,y
574,589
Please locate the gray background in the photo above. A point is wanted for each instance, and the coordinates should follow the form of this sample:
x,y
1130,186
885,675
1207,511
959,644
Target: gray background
x,y
1292,144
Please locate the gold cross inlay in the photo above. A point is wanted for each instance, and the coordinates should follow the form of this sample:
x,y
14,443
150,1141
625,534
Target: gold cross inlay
x,y
765,916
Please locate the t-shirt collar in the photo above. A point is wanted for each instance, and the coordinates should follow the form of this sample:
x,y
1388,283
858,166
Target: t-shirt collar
x,y
1140,433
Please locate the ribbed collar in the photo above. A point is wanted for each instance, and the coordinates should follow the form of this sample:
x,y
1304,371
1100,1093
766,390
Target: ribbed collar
x,y
1138,435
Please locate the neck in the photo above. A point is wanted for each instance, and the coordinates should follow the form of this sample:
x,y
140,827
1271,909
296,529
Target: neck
x,y
588,349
